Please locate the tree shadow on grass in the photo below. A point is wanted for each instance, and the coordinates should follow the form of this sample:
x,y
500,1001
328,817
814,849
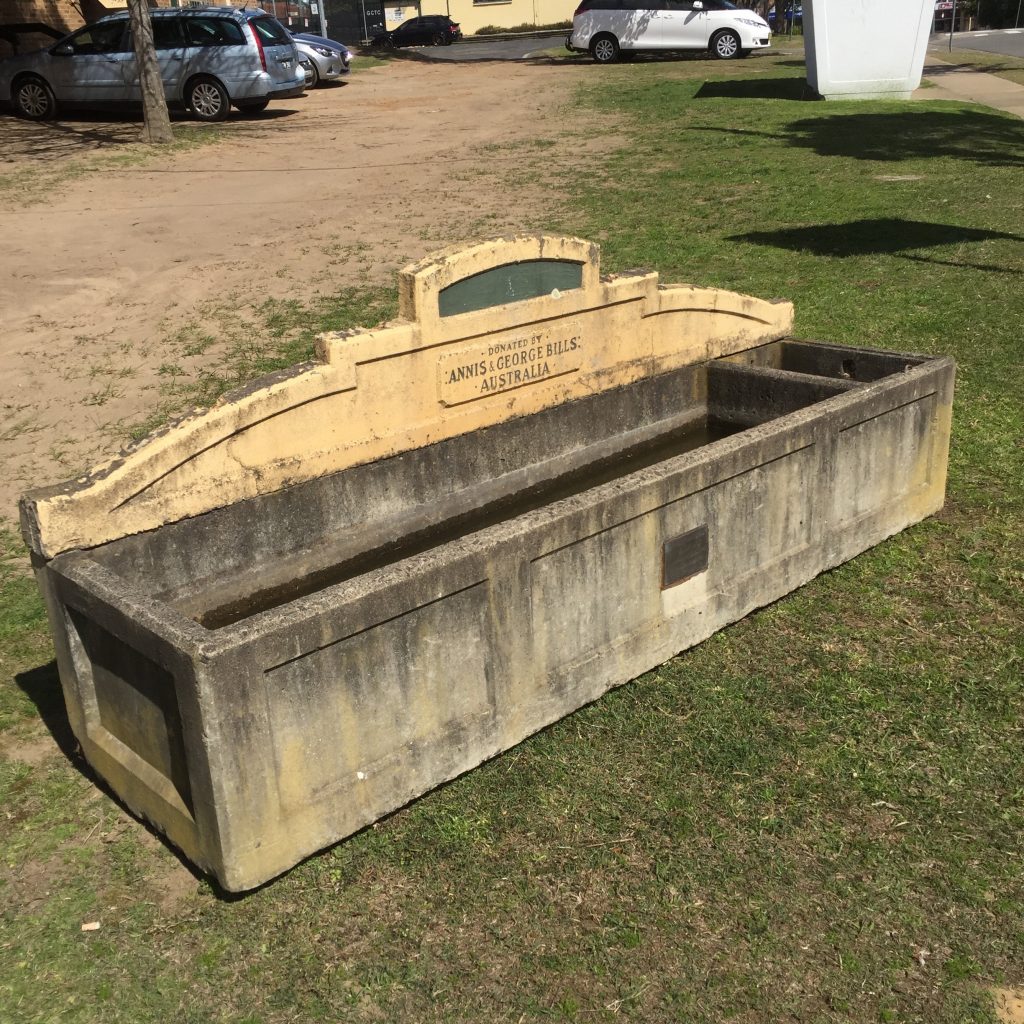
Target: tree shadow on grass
x,y
970,135
882,236
82,132
757,89
988,139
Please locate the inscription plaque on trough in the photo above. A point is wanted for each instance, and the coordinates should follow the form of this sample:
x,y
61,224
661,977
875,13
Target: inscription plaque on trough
x,y
684,556
502,364
421,572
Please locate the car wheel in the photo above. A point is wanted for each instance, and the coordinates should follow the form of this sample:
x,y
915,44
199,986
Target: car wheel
x,y
253,106
605,49
315,80
33,99
208,99
437,39
725,45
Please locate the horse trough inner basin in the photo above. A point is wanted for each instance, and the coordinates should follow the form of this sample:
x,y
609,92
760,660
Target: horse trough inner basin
x,y
282,618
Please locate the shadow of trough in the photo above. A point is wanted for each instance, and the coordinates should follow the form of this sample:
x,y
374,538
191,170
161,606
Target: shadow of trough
x,y
757,89
42,686
881,236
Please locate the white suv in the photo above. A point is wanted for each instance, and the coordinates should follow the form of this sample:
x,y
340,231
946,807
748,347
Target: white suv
x,y
608,28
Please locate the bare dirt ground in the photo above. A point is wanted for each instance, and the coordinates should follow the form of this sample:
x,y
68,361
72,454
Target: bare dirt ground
x,y
103,267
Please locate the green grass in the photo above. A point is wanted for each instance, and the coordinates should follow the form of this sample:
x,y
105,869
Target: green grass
x,y
1010,68
814,816
364,60
250,340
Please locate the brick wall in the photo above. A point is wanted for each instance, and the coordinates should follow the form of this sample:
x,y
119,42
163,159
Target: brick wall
x,y
64,15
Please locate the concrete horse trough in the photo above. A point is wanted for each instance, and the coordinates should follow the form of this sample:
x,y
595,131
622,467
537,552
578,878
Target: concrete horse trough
x,y
282,618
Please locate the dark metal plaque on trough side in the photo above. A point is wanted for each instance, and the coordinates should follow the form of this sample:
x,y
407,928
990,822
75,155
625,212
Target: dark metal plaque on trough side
x,y
684,556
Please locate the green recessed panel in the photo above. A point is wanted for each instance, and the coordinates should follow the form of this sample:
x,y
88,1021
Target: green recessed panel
x,y
512,282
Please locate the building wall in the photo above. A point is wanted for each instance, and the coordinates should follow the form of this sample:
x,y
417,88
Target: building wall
x,y
473,15
470,14
64,15
67,16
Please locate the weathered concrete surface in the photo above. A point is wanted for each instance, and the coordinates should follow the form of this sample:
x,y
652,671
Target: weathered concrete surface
x,y
269,676
380,392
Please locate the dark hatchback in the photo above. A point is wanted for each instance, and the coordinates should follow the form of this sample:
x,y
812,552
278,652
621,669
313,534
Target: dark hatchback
x,y
428,30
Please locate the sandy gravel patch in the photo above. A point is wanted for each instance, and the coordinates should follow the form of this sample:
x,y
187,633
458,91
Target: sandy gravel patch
x,y
338,189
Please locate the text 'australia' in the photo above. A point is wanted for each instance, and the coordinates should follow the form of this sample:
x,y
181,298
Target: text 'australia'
x,y
504,364
513,363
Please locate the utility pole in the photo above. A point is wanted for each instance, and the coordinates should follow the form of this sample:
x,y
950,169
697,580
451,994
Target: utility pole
x,y
156,120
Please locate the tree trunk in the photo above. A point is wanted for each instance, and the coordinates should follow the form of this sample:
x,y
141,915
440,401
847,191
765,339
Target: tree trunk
x,y
157,127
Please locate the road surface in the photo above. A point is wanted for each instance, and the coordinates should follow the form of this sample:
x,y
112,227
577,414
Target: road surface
x,y
500,49
1009,41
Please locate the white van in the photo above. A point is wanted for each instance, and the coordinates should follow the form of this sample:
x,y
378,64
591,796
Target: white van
x,y
608,28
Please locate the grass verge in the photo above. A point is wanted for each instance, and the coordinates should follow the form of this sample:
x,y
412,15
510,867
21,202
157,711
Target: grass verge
x,y
814,816
1010,68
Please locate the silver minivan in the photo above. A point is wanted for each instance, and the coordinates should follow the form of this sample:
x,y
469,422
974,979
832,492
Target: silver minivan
x,y
210,58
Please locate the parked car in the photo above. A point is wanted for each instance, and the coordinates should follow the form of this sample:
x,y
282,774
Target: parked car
x,y
210,58
429,30
330,59
788,16
608,28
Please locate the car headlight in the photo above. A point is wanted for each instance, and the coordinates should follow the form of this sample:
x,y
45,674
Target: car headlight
x,y
324,51
752,22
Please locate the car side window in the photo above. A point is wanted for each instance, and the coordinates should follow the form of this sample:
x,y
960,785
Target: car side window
x,y
110,37
213,32
270,31
167,33
408,26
